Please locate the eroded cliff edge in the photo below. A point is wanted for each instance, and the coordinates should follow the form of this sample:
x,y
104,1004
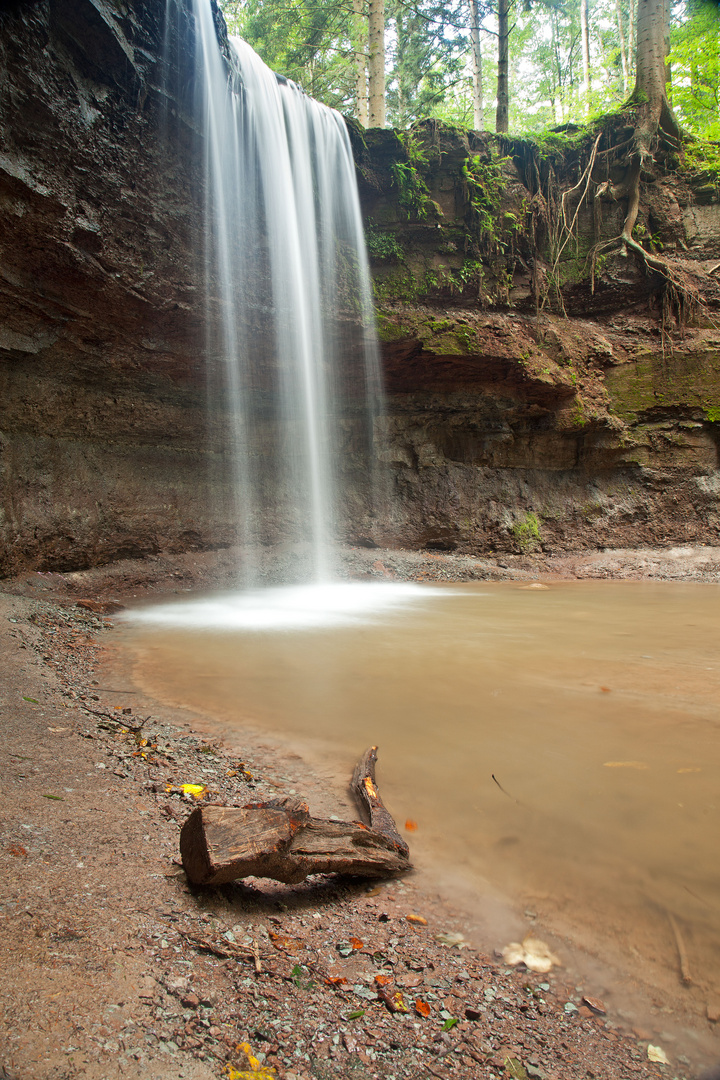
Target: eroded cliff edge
x,y
544,395
525,407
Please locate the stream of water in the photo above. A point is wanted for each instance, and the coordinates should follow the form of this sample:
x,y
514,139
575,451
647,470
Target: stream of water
x,y
288,311
558,743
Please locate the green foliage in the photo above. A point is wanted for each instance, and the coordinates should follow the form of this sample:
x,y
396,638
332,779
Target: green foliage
x,y
712,414
382,246
413,194
695,66
428,64
485,188
701,156
527,531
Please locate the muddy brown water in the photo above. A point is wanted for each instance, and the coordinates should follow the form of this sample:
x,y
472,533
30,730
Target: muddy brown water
x,y
557,747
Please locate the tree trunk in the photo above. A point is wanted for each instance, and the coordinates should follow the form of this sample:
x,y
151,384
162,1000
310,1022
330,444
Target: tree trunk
x,y
359,43
653,35
376,63
478,104
654,114
503,94
585,36
623,49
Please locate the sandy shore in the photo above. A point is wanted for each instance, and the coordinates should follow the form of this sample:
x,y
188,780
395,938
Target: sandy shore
x,y
113,966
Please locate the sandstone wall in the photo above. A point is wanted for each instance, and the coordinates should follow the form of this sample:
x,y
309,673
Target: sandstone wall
x,y
506,429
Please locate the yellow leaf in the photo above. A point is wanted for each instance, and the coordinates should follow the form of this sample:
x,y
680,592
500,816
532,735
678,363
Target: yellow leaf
x,y
656,1053
196,790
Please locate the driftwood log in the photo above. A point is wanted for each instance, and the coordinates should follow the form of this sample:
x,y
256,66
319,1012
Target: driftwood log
x,y
280,839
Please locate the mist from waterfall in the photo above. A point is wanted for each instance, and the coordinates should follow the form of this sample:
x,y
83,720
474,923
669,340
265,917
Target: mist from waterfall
x,y
289,311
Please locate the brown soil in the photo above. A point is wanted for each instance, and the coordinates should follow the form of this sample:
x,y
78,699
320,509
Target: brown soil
x,y
114,966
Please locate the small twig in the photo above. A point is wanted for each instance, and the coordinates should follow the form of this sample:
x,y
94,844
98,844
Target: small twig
x,y
682,953
503,789
256,957
135,729
228,951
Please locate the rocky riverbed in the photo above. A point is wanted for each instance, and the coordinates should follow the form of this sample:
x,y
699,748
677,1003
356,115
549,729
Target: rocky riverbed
x,y
114,966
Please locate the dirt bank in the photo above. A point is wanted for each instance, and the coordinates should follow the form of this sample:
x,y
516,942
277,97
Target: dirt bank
x,y
113,966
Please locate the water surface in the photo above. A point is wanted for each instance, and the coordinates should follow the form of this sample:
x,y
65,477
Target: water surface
x,y
561,743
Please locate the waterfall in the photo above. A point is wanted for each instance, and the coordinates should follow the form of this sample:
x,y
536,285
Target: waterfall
x,y
288,309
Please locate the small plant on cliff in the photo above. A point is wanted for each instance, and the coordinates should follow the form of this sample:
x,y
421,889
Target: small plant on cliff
x,y
382,245
484,184
527,531
712,414
413,194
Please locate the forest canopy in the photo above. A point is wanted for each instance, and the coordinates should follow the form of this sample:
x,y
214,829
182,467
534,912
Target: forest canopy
x,y
567,60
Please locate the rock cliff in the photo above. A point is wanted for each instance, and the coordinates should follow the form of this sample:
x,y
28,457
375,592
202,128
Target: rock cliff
x,y
525,407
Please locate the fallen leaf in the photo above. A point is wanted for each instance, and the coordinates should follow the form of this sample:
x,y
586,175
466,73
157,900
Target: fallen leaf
x,y
418,919
453,940
280,941
422,1008
625,765
533,953
357,1015
656,1053
384,980
514,1068
411,825
15,849
606,689
31,700
196,790
450,1023
357,943
336,980
57,798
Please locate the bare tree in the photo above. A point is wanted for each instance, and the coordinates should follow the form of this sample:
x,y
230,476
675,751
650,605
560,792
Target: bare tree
x,y
503,94
359,43
478,103
585,39
376,63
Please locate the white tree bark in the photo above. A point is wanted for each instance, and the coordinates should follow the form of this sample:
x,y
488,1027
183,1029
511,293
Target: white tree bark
x,y
585,36
478,102
376,63
360,38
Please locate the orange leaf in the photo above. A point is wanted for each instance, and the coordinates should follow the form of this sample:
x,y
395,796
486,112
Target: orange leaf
x,y
356,943
288,943
335,980
422,1008
411,825
418,919
383,980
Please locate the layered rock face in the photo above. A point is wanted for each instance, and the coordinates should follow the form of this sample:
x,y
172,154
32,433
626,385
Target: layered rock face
x,y
534,404
510,423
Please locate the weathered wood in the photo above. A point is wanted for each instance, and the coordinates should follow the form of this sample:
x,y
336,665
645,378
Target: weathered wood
x,y
365,788
280,840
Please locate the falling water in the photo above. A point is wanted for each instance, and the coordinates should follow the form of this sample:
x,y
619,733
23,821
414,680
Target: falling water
x,y
289,309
